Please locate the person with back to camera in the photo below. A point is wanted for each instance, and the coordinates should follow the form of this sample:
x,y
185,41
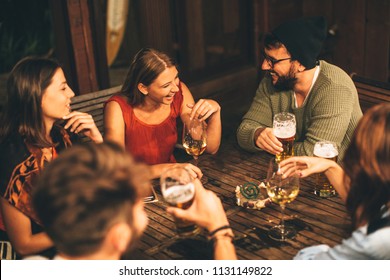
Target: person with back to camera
x,y
322,97
38,97
364,185
90,200
142,117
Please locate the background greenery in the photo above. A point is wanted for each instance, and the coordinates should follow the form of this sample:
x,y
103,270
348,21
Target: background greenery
x,y
25,29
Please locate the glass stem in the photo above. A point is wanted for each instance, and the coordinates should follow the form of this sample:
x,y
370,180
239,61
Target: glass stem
x,y
282,229
196,160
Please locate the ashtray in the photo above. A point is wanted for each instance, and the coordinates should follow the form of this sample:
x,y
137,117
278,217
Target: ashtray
x,y
252,196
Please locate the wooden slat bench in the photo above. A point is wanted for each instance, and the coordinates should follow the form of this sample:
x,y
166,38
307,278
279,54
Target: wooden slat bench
x,y
93,104
371,92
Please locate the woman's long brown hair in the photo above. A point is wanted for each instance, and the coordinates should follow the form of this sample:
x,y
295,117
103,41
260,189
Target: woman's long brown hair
x,y
26,85
146,66
367,164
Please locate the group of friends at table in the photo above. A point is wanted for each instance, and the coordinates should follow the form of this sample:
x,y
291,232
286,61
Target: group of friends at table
x,y
65,201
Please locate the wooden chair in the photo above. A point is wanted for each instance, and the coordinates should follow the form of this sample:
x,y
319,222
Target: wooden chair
x,y
93,103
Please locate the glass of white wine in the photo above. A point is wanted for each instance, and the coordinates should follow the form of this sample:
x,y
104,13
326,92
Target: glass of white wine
x,y
195,138
281,191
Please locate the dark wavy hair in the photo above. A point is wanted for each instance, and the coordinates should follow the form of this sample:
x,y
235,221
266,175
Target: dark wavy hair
x,y
26,85
367,164
84,192
146,66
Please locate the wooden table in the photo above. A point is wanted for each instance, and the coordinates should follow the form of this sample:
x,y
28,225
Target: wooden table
x,y
317,220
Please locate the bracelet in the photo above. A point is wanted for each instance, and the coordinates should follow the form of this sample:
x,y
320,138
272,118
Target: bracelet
x,y
211,234
226,236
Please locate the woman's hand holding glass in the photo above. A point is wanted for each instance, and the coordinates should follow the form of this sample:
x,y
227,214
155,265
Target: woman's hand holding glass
x,y
304,166
203,109
194,171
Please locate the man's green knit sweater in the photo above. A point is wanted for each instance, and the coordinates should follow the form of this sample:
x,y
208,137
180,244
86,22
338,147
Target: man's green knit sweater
x,y
330,112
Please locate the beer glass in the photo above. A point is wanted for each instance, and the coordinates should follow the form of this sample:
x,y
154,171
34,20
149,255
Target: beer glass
x,y
178,190
195,138
284,128
281,191
328,150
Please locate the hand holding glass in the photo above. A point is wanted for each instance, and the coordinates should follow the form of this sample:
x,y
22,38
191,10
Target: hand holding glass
x,y
178,190
327,150
284,128
281,191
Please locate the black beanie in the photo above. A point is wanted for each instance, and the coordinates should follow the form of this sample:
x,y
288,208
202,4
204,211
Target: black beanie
x,y
303,38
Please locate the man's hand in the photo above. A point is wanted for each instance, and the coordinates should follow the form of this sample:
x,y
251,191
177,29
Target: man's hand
x,y
266,140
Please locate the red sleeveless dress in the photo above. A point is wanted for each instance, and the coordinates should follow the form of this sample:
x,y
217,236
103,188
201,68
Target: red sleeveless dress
x,y
151,144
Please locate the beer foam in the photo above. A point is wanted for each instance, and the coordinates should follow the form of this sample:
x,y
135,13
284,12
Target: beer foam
x,y
179,194
284,131
325,150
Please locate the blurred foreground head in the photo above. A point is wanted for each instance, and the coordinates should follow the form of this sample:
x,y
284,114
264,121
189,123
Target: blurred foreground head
x,y
89,200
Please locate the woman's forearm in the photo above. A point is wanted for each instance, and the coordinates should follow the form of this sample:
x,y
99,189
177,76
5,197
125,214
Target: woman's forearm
x,y
214,132
336,175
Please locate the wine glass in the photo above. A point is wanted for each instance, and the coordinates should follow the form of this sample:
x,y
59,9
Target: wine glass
x,y
281,191
195,138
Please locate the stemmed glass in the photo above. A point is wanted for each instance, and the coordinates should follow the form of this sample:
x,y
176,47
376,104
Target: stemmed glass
x,y
195,138
281,191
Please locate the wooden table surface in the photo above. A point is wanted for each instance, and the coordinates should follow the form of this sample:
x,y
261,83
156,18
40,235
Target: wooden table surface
x,y
317,220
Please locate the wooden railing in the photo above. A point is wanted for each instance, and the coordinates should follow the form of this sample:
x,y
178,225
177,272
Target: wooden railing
x,y
371,92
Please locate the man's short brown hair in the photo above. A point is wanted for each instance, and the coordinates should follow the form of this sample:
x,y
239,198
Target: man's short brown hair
x,y
84,192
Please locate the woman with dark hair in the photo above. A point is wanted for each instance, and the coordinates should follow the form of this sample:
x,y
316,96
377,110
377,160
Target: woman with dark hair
x,y
38,97
364,185
142,117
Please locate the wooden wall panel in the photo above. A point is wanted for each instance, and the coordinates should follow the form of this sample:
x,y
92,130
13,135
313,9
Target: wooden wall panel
x,y
195,40
156,24
377,43
81,36
283,10
349,16
318,8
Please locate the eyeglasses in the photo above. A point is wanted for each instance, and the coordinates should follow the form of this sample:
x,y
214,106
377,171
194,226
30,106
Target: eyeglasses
x,y
271,61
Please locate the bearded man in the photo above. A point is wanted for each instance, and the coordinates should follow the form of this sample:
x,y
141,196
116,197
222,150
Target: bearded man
x,y
322,96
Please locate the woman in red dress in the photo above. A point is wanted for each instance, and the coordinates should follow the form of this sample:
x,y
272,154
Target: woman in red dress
x,y
142,117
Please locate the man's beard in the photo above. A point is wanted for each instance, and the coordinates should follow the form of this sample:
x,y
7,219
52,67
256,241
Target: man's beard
x,y
286,82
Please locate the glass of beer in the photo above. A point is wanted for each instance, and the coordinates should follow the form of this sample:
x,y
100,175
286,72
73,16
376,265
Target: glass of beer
x,y
284,128
178,190
328,150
